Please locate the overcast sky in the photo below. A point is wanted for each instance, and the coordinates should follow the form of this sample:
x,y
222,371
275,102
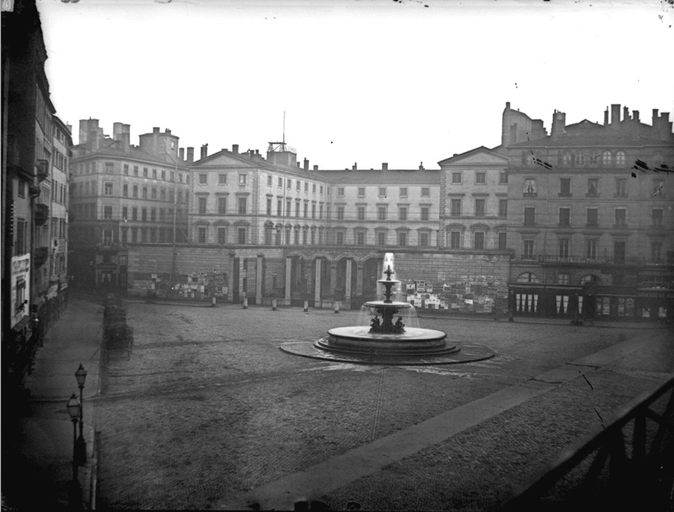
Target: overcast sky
x,y
360,81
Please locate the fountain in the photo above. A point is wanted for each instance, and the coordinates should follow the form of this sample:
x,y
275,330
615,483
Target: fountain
x,y
385,341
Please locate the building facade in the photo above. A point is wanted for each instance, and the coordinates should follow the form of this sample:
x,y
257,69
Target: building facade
x,y
123,195
592,221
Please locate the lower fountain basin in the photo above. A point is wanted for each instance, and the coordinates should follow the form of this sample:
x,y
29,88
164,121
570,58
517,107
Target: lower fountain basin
x,y
359,340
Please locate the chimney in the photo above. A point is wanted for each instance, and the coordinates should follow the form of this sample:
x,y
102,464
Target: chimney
x,y
204,151
181,153
558,124
615,113
125,141
306,164
384,166
507,105
315,167
654,122
626,114
298,164
235,149
635,115
155,129
354,167
190,155
606,117
421,166
167,131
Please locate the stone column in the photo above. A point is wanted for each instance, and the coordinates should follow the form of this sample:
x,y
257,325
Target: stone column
x,y
347,284
359,279
317,282
333,279
259,278
288,283
380,270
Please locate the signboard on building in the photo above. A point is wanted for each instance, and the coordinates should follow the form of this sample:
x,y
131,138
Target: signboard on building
x,y
20,279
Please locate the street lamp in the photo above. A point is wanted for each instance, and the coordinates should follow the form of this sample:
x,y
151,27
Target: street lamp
x,y
81,376
74,408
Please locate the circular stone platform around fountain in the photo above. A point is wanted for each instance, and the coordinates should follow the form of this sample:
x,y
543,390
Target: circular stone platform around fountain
x,y
460,354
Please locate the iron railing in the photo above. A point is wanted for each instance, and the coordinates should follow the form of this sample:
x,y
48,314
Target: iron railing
x,y
639,448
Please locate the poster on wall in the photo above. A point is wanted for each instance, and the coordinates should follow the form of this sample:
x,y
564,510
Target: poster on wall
x,y
20,288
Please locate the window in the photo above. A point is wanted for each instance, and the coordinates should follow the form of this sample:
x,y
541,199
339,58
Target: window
x,y
145,172
564,187
620,217
656,216
153,214
563,247
381,213
360,238
361,191
402,238
402,213
107,237
280,182
528,249
20,241
621,187
243,179
289,203
313,210
269,206
143,213
201,201
306,186
107,188
21,189
455,207
154,193
592,217
289,183
126,169
125,213
134,213
478,240
361,213
425,213
109,167
339,238
298,185
529,216
656,251
580,159
107,212
222,205
455,240
203,178
340,213
502,240
423,239
565,216
306,209
591,248
479,207
144,192
279,207
154,173
620,159
382,192
425,192
163,174
480,178
222,235
456,177
562,278
529,187
201,234
502,177
125,190
606,158
403,191
340,191
619,251
222,179
135,191
503,208
270,180
381,238
135,173
313,188
592,187
242,205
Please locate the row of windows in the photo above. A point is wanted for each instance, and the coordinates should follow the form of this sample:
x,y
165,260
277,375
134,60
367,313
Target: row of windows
x,y
382,213
590,250
243,181
480,177
479,208
382,191
91,167
592,217
578,158
592,190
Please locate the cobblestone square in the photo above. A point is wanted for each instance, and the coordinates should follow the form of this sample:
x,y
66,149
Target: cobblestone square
x,y
207,408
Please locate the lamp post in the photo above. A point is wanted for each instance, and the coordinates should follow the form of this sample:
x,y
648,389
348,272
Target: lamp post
x,y
81,376
74,408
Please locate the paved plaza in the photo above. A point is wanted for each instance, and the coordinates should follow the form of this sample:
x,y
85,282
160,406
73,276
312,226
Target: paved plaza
x,y
207,412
